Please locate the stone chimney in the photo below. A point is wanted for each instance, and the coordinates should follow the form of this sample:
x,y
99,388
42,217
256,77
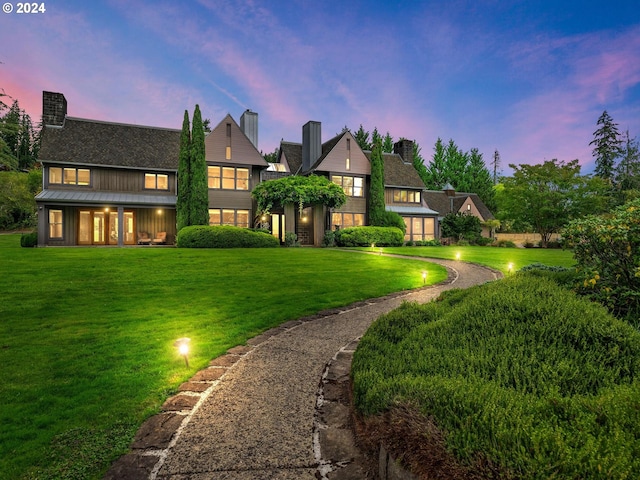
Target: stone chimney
x,y
249,125
311,144
404,148
54,108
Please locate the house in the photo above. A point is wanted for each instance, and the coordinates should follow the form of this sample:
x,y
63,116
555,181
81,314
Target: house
x,y
343,161
116,184
447,201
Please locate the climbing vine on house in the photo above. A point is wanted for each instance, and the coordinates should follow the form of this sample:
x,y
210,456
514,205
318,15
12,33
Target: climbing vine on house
x,y
311,190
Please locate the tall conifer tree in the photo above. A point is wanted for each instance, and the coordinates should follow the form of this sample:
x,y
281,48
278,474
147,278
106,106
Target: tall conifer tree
x,y
199,201
376,197
607,146
184,175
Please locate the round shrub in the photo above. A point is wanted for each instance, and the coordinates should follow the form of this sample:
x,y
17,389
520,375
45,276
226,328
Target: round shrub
x,y
365,236
29,239
223,236
535,389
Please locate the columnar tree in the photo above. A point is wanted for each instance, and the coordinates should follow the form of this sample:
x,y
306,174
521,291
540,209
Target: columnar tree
x,y
376,196
607,146
184,175
199,192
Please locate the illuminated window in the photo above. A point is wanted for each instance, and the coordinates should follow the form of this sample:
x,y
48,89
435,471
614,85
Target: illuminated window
x,y
227,216
214,177
352,186
348,162
156,181
228,149
55,223
344,220
406,196
419,228
55,175
228,178
69,176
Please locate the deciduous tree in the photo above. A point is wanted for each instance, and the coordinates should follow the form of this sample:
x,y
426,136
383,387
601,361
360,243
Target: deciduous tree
x,y
548,196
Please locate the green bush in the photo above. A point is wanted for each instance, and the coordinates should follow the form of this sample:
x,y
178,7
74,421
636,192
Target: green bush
x,y
428,243
329,239
29,239
540,389
483,241
505,244
291,240
607,250
223,236
392,219
366,236
17,199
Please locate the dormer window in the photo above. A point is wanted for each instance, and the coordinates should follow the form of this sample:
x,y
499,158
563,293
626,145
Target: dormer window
x,y
406,196
69,176
156,181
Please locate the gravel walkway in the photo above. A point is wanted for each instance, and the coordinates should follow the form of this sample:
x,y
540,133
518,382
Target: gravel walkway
x,y
270,410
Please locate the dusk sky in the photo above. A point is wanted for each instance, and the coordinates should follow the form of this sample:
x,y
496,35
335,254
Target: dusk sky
x,y
529,78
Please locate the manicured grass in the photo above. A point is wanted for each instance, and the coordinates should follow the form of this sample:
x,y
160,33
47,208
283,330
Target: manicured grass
x,y
498,258
86,334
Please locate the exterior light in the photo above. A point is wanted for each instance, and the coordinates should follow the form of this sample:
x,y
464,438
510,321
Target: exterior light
x,y
106,209
159,211
457,255
263,218
304,219
182,344
424,278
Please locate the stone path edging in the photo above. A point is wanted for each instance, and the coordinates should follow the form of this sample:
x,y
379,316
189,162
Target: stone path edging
x,y
333,444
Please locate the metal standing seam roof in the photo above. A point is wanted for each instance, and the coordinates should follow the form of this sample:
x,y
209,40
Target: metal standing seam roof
x,y
411,210
130,199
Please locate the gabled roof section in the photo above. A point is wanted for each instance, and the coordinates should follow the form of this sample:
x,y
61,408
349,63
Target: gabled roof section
x,y
326,149
292,154
92,142
398,173
243,152
335,152
438,200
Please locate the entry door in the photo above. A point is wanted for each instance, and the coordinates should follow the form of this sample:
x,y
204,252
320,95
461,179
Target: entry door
x,y
277,226
99,227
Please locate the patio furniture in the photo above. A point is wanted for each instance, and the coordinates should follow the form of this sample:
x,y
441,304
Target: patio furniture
x,y
143,238
160,239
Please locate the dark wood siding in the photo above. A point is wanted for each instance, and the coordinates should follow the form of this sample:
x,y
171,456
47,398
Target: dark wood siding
x,y
354,205
335,161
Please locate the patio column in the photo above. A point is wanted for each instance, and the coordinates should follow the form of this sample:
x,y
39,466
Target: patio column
x,y
120,226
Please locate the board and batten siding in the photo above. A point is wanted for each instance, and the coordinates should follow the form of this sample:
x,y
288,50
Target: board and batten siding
x,y
353,205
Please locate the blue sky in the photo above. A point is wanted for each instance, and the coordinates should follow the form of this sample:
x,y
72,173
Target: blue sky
x,y
529,78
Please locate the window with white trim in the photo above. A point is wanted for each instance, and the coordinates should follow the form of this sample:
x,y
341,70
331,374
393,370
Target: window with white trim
x,y
352,186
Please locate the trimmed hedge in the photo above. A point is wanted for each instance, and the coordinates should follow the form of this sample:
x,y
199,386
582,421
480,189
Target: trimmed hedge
x,y
223,236
540,389
366,236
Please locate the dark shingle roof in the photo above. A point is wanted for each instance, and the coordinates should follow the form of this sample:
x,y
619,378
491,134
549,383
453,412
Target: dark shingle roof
x,y
443,204
397,173
91,142
293,154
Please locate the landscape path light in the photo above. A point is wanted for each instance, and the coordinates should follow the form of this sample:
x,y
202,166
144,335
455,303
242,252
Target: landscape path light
x,y
424,278
183,348
457,255
510,267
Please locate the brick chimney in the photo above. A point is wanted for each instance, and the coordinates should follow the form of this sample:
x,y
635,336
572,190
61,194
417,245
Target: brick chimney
x,y
249,125
311,144
54,108
404,148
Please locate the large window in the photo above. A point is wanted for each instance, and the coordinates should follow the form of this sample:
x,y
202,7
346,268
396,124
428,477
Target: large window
x,y
228,178
228,216
344,220
352,186
69,176
156,181
406,196
419,228
55,223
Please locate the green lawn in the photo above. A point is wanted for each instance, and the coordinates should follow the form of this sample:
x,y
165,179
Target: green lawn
x,y
498,258
86,334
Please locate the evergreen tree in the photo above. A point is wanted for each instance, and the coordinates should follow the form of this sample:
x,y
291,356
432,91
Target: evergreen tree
x,y
628,170
184,176
456,162
362,138
418,163
480,181
199,191
376,197
375,138
436,170
607,146
19,142
387,143
496,166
